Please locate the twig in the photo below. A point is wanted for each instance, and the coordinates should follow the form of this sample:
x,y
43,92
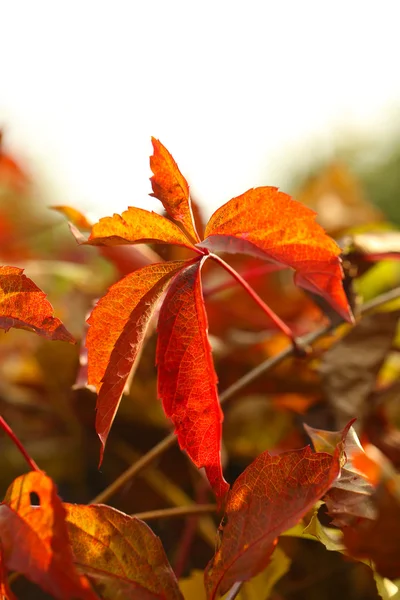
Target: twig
x,y
177,511
33,466
236,387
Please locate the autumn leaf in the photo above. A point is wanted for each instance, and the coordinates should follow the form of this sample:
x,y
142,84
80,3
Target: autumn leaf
x,y
24,306
117,327
5,591
186,376
137,226
11,173
268,498
171,188
269,224
35,538
120,554
349,497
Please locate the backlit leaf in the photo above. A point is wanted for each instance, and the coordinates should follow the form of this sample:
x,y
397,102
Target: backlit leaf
x,y
35,538
120,555
171,188
137,226
24,306
268,498
74,216
117,327
269,224
186,376
350,495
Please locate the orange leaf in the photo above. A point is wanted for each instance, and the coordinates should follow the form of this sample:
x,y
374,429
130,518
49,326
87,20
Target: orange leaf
x,y
186,376
171,188
269,224
271,496
35,538
74,216
117,327
137,226
24,306
120,554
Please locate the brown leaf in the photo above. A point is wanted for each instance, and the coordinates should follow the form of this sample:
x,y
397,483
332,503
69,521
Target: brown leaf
x,y
120,554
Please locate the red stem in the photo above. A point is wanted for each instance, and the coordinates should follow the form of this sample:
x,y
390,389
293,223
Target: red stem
x,y
19,445
264,307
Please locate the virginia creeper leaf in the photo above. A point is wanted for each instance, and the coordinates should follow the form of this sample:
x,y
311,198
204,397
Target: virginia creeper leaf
x,y
137,226
268,498
75,216
5,592
350,495
120,554
117,327
35,539
24,306
186,376
269,224
171,188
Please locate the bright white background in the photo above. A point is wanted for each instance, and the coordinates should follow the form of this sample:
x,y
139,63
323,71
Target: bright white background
x,y
235,90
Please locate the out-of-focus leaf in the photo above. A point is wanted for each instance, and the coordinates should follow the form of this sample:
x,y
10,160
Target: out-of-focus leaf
x,y
186,376
11,173
331,538
262,584
120,554
350,495
73,215
378,539
35,538
171,188
5,592
387,589
269,224
350,367
257,588
268,498
24,306
117,328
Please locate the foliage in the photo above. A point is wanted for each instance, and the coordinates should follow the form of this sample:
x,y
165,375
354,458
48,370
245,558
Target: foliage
x,y
283,357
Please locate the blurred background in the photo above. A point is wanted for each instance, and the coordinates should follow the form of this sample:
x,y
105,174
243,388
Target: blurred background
x,y
304,96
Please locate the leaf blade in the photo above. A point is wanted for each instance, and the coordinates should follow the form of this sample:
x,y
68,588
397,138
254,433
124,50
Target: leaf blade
x,y
35,539
120,554
24,306
187,380
268,498
136,226
267,223
117,327
171,188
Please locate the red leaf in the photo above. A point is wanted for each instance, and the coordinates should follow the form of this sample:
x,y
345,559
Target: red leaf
x,y
120,554
186,376
5,592
137,226
118,325
11,173
171,188
271,496
269,224
24,306
35,538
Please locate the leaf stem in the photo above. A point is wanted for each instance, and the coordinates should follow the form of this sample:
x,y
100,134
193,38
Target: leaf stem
x,y
238,386
264,307
177,511
33,466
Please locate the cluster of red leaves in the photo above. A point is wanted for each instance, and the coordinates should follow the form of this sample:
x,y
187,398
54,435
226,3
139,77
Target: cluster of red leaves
x,y
89,552
262,222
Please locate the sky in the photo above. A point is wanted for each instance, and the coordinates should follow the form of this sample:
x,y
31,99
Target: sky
x,y
241,93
